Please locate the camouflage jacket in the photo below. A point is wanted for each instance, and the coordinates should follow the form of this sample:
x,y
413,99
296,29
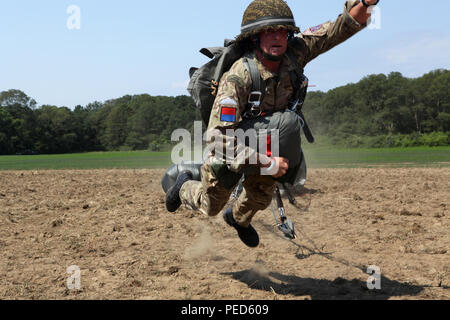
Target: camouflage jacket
x,y
235,85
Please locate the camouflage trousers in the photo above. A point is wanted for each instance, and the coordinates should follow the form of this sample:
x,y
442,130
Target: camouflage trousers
x,y
209,196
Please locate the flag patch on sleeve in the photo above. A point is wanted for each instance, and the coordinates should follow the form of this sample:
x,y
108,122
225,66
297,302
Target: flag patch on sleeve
x,y
228,114
316,28
228,110
319,30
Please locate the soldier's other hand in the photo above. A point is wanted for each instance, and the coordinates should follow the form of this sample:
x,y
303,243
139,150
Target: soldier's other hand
x,y
282,164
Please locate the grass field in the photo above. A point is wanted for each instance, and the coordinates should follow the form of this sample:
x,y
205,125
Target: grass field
x,y
317,157
326,157
92,160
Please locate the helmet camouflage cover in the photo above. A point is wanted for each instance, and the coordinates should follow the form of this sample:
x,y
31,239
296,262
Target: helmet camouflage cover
x,y
263,15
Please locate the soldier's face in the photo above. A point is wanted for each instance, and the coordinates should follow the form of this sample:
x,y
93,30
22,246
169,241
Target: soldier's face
x,y
273,42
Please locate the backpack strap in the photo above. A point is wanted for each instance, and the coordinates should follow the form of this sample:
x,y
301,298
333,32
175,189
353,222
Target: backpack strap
x,y
252,68
256,95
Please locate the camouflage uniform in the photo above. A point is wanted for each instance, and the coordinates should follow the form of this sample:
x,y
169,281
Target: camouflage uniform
x,y
210,196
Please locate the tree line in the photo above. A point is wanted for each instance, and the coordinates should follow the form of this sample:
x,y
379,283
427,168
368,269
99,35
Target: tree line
x,y
377,106
385,110
137,122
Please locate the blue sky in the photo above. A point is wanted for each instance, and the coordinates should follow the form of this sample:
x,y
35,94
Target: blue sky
x,y
134,46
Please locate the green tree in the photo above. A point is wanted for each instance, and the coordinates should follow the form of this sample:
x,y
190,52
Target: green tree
x,y
16,97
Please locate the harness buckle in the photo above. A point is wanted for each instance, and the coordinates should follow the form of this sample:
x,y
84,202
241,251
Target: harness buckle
x,y
254,98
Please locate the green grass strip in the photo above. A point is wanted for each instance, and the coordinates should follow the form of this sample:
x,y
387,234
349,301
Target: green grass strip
x,y
316,156
94,160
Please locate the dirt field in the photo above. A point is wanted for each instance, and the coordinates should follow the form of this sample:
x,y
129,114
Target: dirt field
x,y
114,227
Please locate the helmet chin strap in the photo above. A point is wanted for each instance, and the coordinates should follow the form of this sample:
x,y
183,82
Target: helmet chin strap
x,y
271,57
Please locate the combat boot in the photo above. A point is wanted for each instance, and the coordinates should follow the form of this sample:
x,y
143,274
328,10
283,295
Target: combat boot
x,y
249,236
173,201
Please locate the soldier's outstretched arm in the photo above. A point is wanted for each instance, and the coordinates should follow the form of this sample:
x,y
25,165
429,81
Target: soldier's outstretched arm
x,y
317,40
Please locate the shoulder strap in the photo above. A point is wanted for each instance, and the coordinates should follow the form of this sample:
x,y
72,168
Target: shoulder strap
x,y
252,68
258,90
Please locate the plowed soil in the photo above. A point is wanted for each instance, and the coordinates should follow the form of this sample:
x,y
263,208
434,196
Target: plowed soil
x,y
113,225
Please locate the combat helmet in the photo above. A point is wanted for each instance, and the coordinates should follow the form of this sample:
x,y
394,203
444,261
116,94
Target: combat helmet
x,y
262,15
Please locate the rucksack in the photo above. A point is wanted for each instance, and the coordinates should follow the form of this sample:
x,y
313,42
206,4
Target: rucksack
x,y
204,81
